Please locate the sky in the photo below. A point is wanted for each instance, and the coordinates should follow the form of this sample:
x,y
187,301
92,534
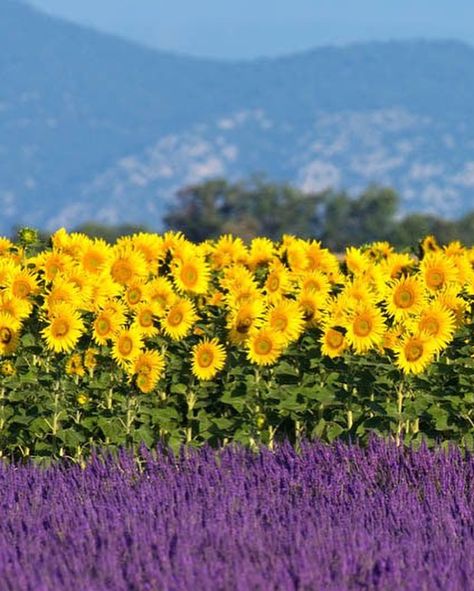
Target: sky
x,y
247,29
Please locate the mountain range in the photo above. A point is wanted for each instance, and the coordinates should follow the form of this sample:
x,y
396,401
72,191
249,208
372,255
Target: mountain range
x,y
93,127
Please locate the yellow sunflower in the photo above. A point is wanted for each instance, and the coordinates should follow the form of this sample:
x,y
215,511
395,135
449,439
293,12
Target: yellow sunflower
x,y
286,318
105,325
17,309
9,332
179,319
94,256
135,293
64,328
144,319
191,275
264,346
75,366
278,281
365,328
148,368
437,271
208,358
227,250
126,346
414,353
161,293
127,265
313,305
241,320
404,296
22,284
438,322
333,342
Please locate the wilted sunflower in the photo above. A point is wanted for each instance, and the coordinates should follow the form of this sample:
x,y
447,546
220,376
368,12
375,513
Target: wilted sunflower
x,y
414,353
179,319
64,328
264,346
208,358
126,346
74,365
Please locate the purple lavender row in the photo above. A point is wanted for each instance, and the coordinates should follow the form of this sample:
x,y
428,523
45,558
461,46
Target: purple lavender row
x,y
331,518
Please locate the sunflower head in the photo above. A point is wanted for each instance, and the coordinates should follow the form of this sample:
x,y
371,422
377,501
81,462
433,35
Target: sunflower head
x,y
208,358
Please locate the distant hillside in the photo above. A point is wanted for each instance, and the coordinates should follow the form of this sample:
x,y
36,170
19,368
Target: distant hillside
x,y
93,127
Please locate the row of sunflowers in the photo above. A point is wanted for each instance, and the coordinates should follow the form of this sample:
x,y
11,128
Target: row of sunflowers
x,y
225,306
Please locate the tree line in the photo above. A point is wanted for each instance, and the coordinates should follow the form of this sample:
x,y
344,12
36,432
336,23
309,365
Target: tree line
x,y
257,207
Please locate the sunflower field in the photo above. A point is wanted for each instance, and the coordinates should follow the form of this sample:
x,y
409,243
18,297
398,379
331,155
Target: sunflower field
x,y
157,339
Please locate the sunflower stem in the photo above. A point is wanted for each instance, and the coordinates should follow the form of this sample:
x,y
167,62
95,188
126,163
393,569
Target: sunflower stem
x,y
400,394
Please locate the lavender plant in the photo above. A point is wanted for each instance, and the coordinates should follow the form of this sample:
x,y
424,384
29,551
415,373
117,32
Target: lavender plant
x,y
338,517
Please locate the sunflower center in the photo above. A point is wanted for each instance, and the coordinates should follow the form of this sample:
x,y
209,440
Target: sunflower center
x,y
205,358
125,345
414,351
121,271
334,339
362,327
430,325
146,318
263,346
273,283
312,285
6,335
60,328
308,312
243,325
280,323
21,289
189,275
404,298
92,261
103,326
175,318
134,295
435,278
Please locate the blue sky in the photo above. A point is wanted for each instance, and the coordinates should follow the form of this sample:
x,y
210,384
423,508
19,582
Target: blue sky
x,y
251,28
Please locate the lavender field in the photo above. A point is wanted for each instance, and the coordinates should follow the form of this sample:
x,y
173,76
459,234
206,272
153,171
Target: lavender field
x,y
328,518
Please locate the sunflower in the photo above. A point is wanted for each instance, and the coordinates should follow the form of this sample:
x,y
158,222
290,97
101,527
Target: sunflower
x,y
127,265
9,329
414,353
320,259
191,275
241,320
227,250
64,328
333,341
22,284
179,318
148,368
286,318
404,296
105,325
90,359
94,256
126,346
314,281
264,346
52,262
63,291
262,251
102,289
135,293
295,253
150,245
208,358
161,293
439,323
17,309
437,271
75,366
365,328
278,281
144,319
357,261
313,305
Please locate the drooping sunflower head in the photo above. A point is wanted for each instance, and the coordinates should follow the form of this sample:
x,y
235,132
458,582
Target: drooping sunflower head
x,y
75,366
313,305
148,369
242,319
208,358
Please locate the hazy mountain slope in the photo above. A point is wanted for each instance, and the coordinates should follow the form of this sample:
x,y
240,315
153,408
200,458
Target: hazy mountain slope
x,y
95,127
